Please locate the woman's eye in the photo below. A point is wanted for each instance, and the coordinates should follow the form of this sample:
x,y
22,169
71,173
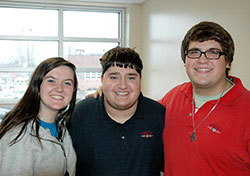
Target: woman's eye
x,y
68,83
51,81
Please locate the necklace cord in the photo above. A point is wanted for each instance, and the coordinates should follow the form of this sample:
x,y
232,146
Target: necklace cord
x,y
193,135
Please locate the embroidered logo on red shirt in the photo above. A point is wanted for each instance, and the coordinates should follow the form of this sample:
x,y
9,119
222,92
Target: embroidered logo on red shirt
x,y
146,134
215,128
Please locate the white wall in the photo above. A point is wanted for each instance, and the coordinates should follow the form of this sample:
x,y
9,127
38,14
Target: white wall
x,y
164,24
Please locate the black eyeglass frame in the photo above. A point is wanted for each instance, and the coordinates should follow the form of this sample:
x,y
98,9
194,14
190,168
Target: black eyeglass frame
x,y
205,53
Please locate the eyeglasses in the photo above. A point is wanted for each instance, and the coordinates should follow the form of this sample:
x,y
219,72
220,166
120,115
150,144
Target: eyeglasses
x,y
212,54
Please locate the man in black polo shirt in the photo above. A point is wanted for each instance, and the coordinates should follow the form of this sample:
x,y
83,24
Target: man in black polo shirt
x,y
119,133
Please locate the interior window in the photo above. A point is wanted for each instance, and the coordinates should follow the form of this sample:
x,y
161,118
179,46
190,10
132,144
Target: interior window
x,y
30,34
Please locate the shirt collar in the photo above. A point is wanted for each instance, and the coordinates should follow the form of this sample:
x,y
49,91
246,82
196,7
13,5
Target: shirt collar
x,y
229,98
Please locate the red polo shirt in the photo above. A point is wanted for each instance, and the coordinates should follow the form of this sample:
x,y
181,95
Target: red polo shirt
x,y
222,146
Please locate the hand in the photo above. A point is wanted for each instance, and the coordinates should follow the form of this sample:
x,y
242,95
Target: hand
x,y
96,94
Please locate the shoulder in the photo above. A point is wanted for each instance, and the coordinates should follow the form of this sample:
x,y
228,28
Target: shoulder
x,y
24,138
152,108
86,106
153,113
85,103
179,90
239,92
85,111
11,134
12,157
148,102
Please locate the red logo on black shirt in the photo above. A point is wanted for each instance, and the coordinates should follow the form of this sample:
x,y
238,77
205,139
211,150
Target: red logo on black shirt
x,y
146,134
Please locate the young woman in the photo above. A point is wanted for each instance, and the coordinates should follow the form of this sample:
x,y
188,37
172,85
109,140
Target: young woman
x,y
33,136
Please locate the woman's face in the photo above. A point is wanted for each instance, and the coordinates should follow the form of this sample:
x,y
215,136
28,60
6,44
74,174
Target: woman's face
x,y
56,90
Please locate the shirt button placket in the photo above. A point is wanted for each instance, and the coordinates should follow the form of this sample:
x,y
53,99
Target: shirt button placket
x,y
123,149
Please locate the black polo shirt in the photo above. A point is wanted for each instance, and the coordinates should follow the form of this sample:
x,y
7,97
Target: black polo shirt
x,y
107,148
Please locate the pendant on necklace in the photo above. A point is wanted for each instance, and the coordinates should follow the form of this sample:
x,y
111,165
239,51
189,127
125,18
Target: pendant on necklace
x,y
192,137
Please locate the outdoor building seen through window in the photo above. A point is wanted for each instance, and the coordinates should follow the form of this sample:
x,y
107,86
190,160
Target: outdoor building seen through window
x,y
30,35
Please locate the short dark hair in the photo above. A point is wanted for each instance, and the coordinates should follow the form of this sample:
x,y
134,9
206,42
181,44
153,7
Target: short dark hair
x,y
121,57
206,30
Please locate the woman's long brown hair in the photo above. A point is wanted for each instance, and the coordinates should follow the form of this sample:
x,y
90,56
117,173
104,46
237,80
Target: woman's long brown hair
x,y
27,109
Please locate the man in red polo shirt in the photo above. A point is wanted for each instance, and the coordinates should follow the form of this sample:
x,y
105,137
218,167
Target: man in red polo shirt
x,y
207,124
